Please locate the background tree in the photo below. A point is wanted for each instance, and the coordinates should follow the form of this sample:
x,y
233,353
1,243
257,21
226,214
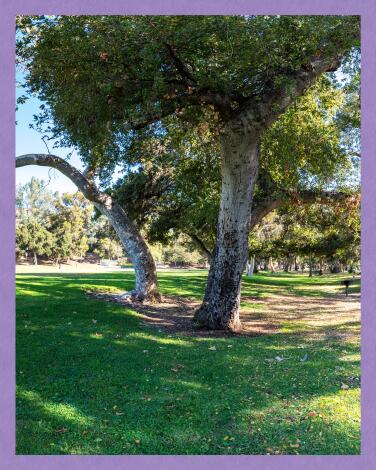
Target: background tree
x,y
323,235
108,248
52,225
32,236
69,223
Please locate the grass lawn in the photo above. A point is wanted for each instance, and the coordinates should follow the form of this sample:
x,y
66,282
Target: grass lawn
x,y
93,378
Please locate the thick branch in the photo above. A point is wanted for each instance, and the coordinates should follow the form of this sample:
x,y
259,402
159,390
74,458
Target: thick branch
x,y
85,185
180,66
267,107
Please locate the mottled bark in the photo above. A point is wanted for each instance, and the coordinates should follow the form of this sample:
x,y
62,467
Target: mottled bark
x,y
220,307
133,242
250,266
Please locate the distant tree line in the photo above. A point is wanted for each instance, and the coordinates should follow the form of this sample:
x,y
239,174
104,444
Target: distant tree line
x,y
319,237
60,227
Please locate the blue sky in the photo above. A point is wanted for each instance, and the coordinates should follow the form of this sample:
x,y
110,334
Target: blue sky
x,y
30,141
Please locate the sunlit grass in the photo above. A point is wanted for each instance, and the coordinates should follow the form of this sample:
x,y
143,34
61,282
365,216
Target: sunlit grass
x,y
93,379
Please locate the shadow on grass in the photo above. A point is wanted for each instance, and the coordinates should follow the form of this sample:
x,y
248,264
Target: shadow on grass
x,y
93,380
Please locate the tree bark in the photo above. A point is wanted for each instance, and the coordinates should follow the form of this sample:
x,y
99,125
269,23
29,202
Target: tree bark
x,y
271,265
250,266
220,307
145,271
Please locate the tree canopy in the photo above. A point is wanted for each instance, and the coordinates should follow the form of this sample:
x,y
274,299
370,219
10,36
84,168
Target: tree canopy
x,y
104,78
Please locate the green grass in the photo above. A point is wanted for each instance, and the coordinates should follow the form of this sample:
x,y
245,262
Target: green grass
x,y
93,379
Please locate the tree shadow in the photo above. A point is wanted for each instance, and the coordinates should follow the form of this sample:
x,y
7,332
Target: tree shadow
x,y
94,380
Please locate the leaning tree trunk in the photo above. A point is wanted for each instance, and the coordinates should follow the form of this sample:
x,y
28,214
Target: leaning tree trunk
x,y
129,235
143,262
220,307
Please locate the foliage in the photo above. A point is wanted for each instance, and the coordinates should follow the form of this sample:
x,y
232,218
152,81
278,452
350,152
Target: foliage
x,y
180,253
100,90
109,248
34,201
323,231
32,236
303,149
50,224
69,224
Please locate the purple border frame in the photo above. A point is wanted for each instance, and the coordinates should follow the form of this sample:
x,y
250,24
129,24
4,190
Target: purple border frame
x,y
9,8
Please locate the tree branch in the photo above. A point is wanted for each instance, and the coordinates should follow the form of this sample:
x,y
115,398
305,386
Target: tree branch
x,y
264,109
86,186
201,246
180,66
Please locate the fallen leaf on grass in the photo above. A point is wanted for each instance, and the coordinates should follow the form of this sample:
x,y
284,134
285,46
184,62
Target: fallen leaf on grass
x,y
61,430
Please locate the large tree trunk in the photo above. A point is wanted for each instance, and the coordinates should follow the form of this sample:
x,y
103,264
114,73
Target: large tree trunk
x,y
220,307
129,235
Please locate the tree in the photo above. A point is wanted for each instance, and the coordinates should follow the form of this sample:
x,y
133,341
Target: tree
x,y
145,271
179,254
69,223
34,201
325,232
33,237
244,71
108,248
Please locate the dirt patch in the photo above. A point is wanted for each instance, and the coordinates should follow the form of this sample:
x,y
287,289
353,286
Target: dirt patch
x,y
336,316
318,317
